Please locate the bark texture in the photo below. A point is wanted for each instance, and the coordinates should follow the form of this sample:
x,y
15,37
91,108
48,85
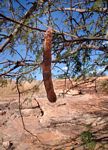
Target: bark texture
x,y
47,66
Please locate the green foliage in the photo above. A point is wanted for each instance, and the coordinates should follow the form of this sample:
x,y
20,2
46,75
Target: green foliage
x,y
86,136
97,4
87,139
91,145
73,38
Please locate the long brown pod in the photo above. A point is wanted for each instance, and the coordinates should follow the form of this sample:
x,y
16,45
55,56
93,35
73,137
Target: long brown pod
x,y
46,66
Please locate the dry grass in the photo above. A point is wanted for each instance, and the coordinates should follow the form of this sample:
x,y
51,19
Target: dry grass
x,y
59,84
25,87
102,86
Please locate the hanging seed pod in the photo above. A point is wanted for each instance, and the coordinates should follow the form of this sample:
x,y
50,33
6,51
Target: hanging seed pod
x,y
46,66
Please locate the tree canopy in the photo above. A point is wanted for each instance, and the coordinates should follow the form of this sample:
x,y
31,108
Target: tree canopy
x,y
80,37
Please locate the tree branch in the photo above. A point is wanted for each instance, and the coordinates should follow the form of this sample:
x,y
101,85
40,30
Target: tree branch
x,y
102,10
27,15
20,107
82,46
17,22
18,64
86,39
100,48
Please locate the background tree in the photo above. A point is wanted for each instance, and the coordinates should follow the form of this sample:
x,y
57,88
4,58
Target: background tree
x,y
80,38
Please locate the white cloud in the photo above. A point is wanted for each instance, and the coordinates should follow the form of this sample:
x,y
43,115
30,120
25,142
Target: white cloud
x,y
65,68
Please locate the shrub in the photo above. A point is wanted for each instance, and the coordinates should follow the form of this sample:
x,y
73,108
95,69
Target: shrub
x,y
3,82
102,86
87,139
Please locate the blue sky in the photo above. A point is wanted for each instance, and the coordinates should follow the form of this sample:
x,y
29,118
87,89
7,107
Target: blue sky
x,y
59,16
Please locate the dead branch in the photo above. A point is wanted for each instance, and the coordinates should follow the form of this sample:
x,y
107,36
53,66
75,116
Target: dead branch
x,y
20,107
42,112
87,39
101,10
16,30
21,23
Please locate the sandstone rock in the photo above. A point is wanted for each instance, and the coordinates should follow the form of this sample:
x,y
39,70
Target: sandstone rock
x,y
73,92
89,119
106,146
31,112
8,145
65,120
2,112
98,121
98,146
14,105
4,105
79,148
29,103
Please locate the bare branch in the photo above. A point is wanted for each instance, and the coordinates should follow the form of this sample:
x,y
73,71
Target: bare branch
x,y
20,23
81,47
102,10
27,15
19,99
100,48
18,64
13,68
87,39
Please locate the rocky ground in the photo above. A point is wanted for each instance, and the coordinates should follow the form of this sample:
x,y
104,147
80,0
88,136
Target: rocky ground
x,y
77,121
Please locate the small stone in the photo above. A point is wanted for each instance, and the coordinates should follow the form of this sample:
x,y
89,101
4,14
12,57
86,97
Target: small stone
x,y
6,144
79,148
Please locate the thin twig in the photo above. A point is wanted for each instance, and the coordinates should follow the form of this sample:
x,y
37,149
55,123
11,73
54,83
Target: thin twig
x,y
20,23
42,112
20,107
16,30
